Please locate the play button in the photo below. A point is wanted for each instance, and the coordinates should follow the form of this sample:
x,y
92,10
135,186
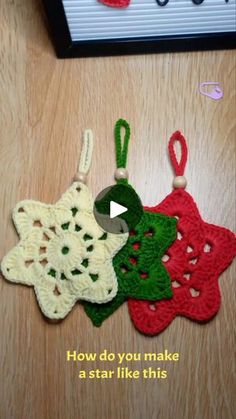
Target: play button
x,y
118,209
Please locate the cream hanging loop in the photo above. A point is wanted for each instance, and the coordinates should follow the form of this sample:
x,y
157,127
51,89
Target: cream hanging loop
x,y
85,157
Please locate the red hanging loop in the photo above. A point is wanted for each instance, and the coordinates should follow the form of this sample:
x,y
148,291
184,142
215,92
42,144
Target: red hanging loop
x,y
179,167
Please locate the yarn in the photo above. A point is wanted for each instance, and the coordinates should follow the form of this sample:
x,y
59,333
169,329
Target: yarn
x,y
195,261
63,253
178,167
138,266
122,192
121,148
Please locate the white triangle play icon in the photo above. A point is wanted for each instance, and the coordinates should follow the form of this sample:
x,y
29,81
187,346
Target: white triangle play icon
x,y
116,209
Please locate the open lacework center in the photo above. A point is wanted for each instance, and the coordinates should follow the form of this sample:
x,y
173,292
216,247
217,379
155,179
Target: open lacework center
x,y
64,250
192,247
66,233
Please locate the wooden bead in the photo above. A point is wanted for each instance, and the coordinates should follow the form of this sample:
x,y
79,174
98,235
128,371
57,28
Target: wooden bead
x,y
81,177
179,182
121,173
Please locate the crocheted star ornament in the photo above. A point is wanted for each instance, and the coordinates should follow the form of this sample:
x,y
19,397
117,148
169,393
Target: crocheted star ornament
x,y
200,254
138,266
63,253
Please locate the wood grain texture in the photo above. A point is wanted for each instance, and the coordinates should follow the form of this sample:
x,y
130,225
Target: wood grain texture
x,y
45,105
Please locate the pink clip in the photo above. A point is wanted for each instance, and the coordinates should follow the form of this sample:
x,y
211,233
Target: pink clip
x,y
216,93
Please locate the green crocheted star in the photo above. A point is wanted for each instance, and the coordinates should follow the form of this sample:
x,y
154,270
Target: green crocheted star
x,y
138,265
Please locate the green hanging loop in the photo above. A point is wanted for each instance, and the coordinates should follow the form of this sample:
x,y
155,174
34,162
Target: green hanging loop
x,y
121,150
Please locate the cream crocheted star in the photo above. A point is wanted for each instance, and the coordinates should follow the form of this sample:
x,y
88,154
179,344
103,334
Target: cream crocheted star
x,y
63,252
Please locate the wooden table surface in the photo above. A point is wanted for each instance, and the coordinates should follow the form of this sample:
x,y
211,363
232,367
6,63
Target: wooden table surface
x,y
45,105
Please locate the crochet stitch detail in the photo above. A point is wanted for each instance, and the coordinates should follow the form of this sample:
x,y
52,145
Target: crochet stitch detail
x,y
138,265
63,252
200,254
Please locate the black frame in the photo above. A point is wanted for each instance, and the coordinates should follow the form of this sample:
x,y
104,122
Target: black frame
x,y
66,48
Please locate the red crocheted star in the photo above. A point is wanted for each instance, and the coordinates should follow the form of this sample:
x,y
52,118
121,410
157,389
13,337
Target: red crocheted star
x,y
116,3
200,254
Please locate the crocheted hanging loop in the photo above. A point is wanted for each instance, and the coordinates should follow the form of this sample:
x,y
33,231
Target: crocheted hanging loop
x,y
122,193
121,174
63,253
138,265
179,167
85,157
200,254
